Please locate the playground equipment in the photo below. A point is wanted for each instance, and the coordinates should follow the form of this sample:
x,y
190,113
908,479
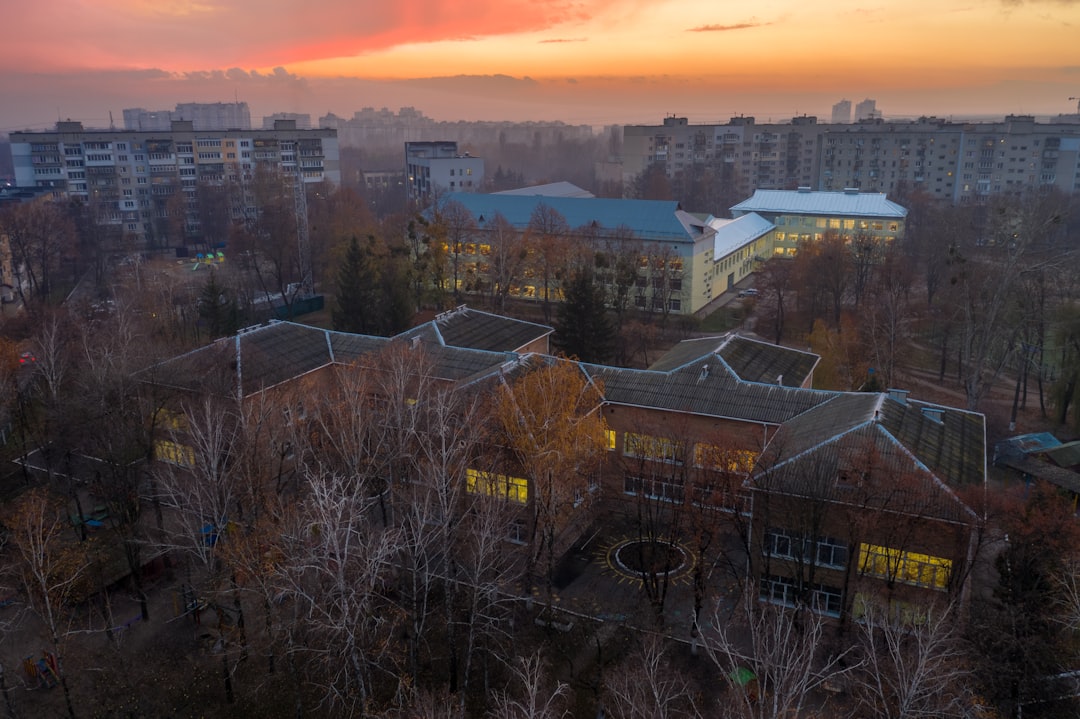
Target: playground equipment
x,y
210,259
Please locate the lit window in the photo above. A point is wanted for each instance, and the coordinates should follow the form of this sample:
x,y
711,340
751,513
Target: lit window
x,y
891,564
514,489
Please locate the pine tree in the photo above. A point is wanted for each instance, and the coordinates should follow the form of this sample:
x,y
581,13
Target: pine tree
x,y
582,327
218,309
356,309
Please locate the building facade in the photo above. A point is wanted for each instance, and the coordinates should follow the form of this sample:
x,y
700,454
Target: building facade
x,y
204,116
956,162
803,215
140,180
433,168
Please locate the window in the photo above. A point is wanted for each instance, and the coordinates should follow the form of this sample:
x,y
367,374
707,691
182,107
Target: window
x,y
824,551
173,453
646,446
788,591
610,434
514,489
922,570
654,488
714,457
518,531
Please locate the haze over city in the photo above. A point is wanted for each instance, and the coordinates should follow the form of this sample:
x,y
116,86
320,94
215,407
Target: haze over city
x,y
591,62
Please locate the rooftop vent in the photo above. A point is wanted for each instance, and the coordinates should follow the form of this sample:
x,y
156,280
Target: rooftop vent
x,y
900,395
934,414
851,190
704,372
804,188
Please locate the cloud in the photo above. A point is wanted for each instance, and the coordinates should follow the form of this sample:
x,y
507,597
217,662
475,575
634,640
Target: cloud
x,y
177,34
564,39
726,28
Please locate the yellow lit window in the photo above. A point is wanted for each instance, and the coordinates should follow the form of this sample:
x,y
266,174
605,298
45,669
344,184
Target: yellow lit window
x,y
649,447
915,568
610,434
711,456
514,489
173,453
849,224
167,419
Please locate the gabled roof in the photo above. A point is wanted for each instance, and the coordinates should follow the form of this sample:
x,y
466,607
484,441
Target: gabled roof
x,y
711,392
732,235
936,450
263,356
746,358
475,329
805,202
650,220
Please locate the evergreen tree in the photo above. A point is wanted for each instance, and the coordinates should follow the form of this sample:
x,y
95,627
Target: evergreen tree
x,y
356,309
373,295
582,327
218,308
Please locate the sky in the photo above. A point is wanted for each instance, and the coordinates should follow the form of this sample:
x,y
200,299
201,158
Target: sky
x,y
580,61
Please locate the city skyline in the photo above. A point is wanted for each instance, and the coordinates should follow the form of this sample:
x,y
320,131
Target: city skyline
x,y
599,62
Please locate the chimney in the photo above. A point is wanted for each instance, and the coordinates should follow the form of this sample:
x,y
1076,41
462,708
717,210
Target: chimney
x,y
704,372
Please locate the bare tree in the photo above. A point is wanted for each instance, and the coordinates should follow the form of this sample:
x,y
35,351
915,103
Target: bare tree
x,y
535,697
910,669
646,686
773,657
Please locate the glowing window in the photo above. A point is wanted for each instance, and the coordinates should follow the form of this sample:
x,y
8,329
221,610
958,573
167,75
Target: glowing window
x,y
514,489
922,570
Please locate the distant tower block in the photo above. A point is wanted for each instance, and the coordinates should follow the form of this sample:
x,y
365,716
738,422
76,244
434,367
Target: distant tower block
x,y
867,110
841,112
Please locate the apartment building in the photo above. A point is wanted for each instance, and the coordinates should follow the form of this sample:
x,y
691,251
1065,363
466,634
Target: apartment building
x,y
961,163
746,154
144,182
203,115
432,168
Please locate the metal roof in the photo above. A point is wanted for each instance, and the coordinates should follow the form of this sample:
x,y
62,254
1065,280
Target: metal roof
x,y
732,235
475,329
551,189
710,392
656,220
805,202
745,358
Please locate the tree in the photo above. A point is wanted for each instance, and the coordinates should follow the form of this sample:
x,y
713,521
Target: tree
x,y
910,667
218,308
1016,632
646,686
53,571
546,239
508,257
583,329
773,658
534,698
373,290
549,419
41,235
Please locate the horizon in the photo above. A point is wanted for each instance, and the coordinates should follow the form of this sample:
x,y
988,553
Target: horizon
x,y
589,62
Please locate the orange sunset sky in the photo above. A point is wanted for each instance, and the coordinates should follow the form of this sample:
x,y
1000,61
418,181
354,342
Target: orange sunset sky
x,y
581,61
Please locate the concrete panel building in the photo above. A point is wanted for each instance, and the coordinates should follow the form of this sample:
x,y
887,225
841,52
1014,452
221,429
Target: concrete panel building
x,y
139,181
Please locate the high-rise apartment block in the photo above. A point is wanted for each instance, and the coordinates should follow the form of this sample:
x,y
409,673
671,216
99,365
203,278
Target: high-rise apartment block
x,y
867,110
841,112
204,116
950,161
437,167
146,182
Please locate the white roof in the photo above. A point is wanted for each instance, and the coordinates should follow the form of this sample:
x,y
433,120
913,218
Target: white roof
x,y
805,202
732,235
551,189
